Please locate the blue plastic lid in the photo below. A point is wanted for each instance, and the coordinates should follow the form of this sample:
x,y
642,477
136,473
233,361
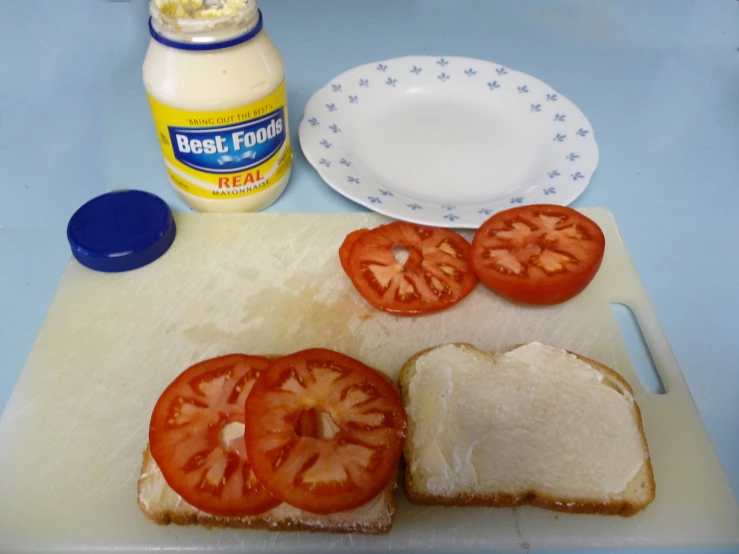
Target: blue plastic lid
x,y
121,231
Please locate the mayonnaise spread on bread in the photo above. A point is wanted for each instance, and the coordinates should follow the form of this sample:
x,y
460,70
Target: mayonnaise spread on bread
x,y
156,496
534,417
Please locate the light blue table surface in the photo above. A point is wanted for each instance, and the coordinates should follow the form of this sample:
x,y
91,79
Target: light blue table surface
x,y
658,80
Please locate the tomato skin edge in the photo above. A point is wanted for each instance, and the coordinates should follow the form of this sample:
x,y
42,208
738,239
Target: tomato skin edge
x,y
347,246
536,295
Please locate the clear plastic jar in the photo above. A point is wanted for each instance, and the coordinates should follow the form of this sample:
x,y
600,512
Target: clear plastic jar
x,y
216,86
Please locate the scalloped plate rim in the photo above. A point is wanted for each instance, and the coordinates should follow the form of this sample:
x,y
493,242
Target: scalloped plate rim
x,y
420,216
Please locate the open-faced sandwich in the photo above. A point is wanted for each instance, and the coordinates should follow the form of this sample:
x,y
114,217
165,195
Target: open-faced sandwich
x,y
308,441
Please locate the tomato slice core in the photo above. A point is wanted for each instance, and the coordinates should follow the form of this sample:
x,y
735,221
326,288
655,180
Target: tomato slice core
x,y
196,437
324,432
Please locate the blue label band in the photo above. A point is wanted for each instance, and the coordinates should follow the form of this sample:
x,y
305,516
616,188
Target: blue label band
x,y
230,148
210,46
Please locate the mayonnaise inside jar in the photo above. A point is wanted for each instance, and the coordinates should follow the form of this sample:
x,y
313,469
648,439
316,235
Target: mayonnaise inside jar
x,y
216,86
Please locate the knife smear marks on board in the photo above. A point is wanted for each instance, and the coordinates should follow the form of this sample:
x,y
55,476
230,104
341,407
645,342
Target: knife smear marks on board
x,y
302,310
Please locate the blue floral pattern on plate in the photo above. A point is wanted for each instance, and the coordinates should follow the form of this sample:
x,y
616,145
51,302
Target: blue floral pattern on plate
x,y
568,144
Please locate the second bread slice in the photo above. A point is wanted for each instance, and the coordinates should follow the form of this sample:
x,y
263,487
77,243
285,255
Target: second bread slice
x,y
535,425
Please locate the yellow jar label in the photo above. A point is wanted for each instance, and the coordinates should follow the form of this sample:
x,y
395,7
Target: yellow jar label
x,y
226,154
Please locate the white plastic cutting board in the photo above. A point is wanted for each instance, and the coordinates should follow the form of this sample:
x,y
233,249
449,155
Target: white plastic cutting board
x,y
72,433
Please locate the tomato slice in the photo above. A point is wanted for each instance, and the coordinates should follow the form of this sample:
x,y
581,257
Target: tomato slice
x,y
196,437
325,432
540,254
436,275
347,245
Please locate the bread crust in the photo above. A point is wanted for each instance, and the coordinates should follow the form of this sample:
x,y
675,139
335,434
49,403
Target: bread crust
x,y
209,521
613,506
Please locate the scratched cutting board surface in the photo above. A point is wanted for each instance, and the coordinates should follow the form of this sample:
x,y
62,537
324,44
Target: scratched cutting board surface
x,y
73,431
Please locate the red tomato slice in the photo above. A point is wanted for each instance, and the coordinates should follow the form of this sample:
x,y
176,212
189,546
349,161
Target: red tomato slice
x,y
540,254
436,275
346,247
196,437
325,432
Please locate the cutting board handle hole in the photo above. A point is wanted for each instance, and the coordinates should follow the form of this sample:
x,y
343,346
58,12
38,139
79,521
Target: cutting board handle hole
x,y
637,348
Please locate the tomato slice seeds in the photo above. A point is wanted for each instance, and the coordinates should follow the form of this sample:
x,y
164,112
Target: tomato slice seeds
x,y
436,275
325,432
196,437
540,254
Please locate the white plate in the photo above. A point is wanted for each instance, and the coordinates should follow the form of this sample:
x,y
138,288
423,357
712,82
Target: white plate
x,y
447,141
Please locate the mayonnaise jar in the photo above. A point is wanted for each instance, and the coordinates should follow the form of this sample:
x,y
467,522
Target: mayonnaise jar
x,y
216,86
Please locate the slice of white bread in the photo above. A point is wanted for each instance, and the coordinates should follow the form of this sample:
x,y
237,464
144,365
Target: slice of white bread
x,y
163,505
535,425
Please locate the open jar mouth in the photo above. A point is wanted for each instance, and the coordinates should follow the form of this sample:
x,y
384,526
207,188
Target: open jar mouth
x,y
201,9
203,33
